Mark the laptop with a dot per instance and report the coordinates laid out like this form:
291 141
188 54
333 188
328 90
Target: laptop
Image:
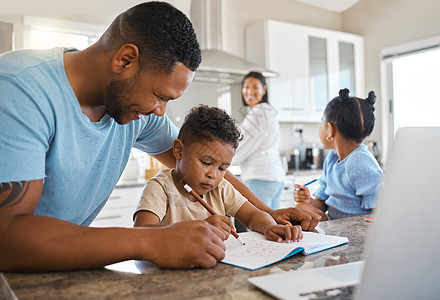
402 254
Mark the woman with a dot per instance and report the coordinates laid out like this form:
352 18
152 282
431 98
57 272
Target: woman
258 152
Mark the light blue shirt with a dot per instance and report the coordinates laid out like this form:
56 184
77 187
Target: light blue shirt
45 135
350 187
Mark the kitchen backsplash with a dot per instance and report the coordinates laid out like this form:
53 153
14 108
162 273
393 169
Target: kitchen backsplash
289 141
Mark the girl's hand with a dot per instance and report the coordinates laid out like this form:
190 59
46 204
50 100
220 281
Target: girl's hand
301 194
289 233
221 222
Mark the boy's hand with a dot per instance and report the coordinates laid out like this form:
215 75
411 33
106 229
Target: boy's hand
221 222
301 194
289 233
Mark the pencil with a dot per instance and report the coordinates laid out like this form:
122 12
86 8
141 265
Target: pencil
209 208
310 182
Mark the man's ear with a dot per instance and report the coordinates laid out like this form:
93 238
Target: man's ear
125 61
177 149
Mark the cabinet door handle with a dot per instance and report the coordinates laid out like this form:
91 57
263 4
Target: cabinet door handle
115 197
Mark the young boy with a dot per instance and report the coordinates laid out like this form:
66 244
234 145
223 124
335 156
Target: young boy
203 150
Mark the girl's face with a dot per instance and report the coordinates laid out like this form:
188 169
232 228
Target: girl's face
253 91
203 165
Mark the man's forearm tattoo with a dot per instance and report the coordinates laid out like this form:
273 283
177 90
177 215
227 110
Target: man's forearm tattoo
12 193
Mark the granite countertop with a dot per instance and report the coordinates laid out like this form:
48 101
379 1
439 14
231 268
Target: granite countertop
143 280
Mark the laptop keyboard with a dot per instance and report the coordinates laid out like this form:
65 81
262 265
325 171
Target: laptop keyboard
339 293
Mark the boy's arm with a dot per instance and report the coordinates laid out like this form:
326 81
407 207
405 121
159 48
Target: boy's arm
37 243
308 220
262 222
145 218
253 218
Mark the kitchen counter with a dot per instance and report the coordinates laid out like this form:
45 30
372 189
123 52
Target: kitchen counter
143 280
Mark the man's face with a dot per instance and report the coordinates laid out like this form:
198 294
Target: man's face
145 93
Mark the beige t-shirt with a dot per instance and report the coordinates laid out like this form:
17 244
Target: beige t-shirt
161 197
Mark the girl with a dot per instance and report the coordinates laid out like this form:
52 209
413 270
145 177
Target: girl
351 175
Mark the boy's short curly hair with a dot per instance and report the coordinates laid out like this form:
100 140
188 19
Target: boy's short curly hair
209 123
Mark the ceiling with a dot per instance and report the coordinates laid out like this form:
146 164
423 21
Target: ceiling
90 11
104 11
332 5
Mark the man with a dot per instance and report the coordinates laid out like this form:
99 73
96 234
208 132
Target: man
68 120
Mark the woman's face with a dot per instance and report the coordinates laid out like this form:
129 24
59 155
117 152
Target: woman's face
253 91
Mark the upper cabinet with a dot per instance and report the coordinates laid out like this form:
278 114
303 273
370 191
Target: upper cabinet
313 65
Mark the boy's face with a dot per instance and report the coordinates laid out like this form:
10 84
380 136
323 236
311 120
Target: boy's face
203 165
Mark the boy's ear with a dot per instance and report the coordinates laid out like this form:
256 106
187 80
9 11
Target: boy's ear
177 149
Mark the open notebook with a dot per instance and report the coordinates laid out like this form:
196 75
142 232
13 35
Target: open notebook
401 257
259 252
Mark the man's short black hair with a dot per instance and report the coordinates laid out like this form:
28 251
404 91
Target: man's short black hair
163 34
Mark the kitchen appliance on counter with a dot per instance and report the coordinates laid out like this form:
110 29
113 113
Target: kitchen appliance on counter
313 158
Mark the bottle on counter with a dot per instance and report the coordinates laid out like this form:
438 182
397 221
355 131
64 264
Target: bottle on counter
297 153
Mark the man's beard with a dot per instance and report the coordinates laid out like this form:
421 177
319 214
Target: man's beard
117 92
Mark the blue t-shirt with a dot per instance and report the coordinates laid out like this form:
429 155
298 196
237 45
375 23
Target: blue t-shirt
45 135
350 187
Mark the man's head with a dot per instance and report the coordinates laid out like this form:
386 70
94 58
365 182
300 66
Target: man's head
163 35
154 54
205 146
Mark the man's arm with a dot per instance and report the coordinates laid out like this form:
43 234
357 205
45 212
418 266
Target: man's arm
36 243
292 215
307 219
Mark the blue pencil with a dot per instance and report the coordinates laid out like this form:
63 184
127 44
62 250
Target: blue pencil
310 182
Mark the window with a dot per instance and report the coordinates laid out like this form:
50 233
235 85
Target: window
410 78
415 87
44 33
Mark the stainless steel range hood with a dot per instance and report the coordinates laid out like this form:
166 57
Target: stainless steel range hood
217 65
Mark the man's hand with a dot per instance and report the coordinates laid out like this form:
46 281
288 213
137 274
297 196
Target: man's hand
188 244
293 216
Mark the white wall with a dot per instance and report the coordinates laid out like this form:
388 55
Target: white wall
385 23
381 22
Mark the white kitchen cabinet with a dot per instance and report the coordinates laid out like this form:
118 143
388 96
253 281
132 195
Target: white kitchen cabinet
313 65
119 209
